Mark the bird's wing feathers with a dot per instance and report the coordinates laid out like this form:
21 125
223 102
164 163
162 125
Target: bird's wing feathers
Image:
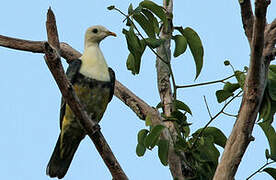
112 83
71 73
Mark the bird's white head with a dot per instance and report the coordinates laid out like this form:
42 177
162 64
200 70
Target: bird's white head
95 34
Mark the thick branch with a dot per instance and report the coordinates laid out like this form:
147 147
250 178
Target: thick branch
270 41
165 92
92 129
247 18
253 92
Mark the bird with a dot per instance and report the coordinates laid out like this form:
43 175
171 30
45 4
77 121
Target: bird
93 82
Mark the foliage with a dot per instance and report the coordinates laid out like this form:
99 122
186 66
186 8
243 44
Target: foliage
200 147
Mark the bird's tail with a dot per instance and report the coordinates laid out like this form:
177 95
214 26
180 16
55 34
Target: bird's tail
59 164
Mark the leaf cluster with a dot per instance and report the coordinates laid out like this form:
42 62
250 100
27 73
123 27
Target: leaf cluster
203 156
151 18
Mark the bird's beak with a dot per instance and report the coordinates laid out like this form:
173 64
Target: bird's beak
109 33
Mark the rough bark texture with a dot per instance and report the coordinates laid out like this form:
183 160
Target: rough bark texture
261 55
165 92
92 129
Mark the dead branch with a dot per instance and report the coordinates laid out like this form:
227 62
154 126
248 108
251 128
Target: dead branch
92 129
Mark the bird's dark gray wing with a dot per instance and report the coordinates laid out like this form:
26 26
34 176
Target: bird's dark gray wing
71 73
112 83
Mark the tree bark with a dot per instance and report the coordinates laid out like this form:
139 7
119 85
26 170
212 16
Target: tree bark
254 87
165 92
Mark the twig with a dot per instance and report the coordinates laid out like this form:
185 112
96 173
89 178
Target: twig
213 118
260 169
232 115
92 129
205 101
206 83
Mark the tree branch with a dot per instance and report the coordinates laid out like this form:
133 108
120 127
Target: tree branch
165 92
70 54
253 92
92 129
247 18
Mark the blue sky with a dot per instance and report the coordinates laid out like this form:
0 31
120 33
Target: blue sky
30 98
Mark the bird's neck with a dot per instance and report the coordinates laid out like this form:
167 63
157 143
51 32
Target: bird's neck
93 63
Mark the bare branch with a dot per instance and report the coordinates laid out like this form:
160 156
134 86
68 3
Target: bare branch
247 18
214 117
92 129
208 109
253 92
270 41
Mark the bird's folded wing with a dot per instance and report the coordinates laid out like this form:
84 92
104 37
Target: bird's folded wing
71 73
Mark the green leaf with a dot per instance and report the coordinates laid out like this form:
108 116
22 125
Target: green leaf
154 43
130 9
271 137
153 136
179 116
136 48
208 152
142 134
218 136
271 172
145 24
195 46
231 87
241 1
152 20
265 108
272 82
182 106
163 150
157 10
140 150
222 95
148 120
267 155
131 64
240 76
133 42
159 105
110 7
180 45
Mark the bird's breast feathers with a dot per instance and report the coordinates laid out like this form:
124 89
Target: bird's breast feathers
94 65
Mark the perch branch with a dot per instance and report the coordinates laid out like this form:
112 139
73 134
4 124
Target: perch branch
92 129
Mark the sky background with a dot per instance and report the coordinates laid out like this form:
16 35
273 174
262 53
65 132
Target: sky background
30 98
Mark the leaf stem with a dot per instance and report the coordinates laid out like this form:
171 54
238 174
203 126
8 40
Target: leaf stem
260 169
206 83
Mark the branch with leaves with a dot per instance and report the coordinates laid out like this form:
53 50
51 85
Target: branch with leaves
254 87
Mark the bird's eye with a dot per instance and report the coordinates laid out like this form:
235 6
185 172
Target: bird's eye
95 30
